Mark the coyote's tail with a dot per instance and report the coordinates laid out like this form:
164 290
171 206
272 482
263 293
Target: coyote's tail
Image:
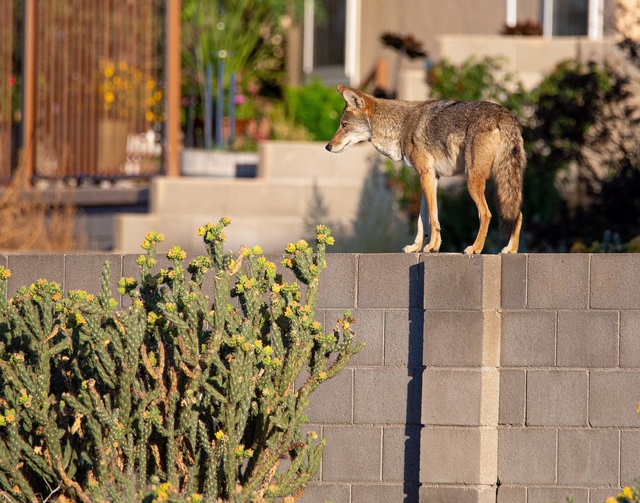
508 172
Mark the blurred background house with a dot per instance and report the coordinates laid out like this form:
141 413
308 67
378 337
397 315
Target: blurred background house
343 43
112 110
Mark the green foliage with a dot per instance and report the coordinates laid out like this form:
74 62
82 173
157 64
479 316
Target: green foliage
477 80
316 108
185 392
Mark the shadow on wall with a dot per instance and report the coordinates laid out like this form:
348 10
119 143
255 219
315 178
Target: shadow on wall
379 225
415 369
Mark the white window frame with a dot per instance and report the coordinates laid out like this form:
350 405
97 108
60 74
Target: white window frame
352 40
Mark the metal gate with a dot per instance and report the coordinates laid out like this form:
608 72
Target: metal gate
98 95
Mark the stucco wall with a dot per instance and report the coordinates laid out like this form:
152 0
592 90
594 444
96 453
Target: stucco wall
520 369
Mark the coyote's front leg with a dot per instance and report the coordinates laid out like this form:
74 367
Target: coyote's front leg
416 246
429 183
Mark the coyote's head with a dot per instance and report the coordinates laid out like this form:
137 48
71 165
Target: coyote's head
354 125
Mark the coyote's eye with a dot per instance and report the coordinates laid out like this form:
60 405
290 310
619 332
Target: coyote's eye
343 124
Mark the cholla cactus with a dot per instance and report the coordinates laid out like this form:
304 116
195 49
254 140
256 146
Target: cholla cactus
201 393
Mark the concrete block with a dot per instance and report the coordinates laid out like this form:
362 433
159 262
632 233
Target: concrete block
449 494
453 338
401 454
587 339
526 456
381 396
27 269
370 492
588 457
629 459
403 337
559 494
629 340
458 455
352 454
369 328
389 280
454 281
337 288
558 281
457 397
611 402
331 402
613 277
513 385
511 494
513 277
528 339
319 492
84 272
557 397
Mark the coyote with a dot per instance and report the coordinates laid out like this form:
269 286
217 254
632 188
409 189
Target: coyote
444 138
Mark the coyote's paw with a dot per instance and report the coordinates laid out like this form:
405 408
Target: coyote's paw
412 248
507 249
470 250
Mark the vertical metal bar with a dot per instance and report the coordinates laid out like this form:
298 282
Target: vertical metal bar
547 18
173 88
232 110
29 88
220 104
208 106
307 51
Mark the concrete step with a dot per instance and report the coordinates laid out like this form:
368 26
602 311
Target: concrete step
310 160
252 197
271 233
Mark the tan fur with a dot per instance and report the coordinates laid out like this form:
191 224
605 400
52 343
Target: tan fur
444 138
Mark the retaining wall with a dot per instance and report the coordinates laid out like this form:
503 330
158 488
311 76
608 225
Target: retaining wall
490 378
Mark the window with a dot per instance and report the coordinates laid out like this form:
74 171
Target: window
570 17
573 18
331 40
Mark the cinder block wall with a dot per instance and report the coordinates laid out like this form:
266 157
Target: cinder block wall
513 379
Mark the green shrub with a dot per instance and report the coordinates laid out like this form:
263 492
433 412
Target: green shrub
315 107
179 397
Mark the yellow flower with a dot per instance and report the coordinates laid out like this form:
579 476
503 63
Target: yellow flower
151 84
109 70
611 499
627 493
109 97
150 116
219 434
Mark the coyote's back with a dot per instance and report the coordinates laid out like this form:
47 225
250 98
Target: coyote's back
444 138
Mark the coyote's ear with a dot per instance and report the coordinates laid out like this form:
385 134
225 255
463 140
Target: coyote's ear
354 99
